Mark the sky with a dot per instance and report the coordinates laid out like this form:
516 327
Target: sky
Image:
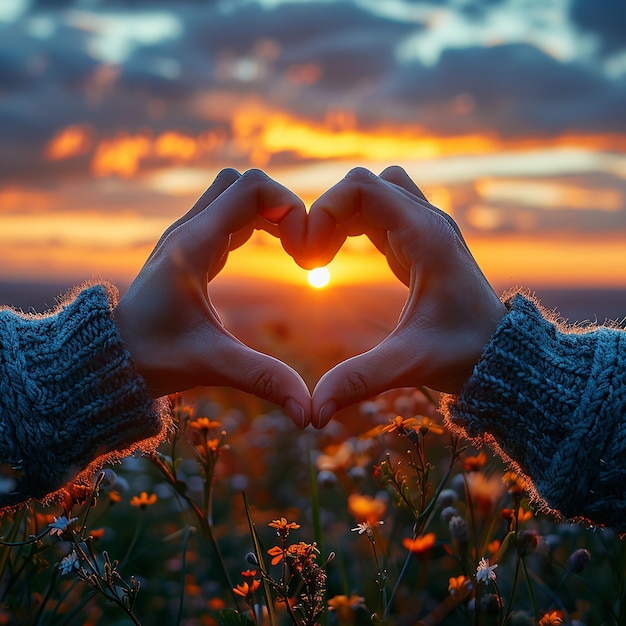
509 114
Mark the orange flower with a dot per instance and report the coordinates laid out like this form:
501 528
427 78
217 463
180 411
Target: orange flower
204 423
143 500
553 618
474 463
345 607
283 527
494 546
421 544
216 604
245 589
114 496
366 508
459 586
276 553
516 484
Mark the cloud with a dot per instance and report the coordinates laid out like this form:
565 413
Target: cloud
512 90
606 19
314 62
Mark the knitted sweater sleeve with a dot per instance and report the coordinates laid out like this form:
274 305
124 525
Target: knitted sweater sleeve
552 400
70 399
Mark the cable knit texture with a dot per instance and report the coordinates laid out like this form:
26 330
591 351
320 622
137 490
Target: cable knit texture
70 399
552 399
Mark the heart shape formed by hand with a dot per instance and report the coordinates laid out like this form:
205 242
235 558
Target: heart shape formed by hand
451 310
178 341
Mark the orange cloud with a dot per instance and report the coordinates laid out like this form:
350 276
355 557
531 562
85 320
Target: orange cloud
68 142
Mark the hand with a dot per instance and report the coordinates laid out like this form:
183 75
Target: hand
451 310
166 317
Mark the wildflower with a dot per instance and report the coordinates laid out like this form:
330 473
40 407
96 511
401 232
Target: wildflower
245 589
345 607
515 483
366 508
494 546
69 563
366 527
114 496
277 553
59 525
204 423
419 545
485 492
527 542
426 425
522 515
144 500
459 586
283 527
459 532
475 463
553 618
577 560
485 572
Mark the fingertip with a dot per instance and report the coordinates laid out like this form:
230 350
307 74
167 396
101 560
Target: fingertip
326 413
299 416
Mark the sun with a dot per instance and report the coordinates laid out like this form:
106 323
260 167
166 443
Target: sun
319 277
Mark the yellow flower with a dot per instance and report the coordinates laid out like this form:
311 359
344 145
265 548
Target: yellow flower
283 527
345 607
553 618
402 426
143 500
421 544
366 509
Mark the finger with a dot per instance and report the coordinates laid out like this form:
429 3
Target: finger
246 369
398 176
388 365
222 181
206 237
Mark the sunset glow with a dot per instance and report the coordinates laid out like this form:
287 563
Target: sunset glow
319 277
102 152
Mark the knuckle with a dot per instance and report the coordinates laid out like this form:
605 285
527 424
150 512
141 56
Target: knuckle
229 174
360 175
356 387
255 176
263 384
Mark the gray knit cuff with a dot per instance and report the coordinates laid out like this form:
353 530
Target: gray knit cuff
553 401
72 398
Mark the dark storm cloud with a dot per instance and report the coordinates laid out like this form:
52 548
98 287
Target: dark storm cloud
516 89
604 18
47 83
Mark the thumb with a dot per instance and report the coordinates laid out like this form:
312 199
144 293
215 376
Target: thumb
386 366
264 376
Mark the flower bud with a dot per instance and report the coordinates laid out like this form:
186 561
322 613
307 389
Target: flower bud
527 542
578 560
459 532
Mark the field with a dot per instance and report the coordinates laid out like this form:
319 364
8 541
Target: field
383 517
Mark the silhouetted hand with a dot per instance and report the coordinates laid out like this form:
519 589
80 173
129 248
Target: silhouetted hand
166 317
451 310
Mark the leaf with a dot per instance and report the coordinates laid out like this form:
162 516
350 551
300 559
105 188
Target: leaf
230 617
259 555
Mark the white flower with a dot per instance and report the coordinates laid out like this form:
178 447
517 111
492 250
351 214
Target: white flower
365 527
57 528
485 572
69 563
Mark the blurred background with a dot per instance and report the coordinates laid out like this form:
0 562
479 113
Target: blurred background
510 114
